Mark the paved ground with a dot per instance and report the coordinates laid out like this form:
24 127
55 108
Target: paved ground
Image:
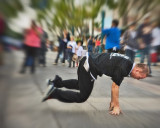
21 107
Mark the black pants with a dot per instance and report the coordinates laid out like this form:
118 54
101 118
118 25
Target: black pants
42 57
84 84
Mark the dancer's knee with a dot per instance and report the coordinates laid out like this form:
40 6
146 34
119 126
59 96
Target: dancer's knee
82 99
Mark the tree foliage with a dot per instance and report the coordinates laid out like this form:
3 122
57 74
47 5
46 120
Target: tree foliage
67 14
10 8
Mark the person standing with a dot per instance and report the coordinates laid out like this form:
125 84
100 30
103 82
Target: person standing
62 47
90 44
32 44
144 36
98 43
43 49
155 45
71 46
113 37
130 41
79 50
84 43
93 44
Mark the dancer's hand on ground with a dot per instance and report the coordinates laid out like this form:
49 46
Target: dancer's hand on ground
116 111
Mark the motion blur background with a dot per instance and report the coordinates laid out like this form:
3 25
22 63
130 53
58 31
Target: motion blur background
20 95
78 17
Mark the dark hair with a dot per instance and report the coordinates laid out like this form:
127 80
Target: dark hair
79 41
144 68
33 22
115 22
133 24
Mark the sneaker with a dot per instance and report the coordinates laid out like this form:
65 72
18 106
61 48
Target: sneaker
48 92
49 82
54 63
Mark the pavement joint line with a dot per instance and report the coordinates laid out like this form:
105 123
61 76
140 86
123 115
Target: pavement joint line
36 83
92 105
58 119
53 112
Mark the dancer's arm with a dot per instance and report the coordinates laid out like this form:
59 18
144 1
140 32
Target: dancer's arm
114 105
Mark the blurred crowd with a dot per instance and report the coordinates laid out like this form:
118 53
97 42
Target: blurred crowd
141 40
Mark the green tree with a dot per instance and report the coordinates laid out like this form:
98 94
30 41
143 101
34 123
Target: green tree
10 8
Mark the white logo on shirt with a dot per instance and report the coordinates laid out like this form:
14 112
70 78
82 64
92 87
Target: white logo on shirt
119 55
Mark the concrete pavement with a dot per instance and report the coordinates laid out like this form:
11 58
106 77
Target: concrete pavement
21 107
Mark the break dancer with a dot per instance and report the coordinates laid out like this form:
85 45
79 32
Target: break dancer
115 65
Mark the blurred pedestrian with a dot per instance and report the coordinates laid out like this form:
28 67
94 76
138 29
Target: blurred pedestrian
155 44
93 44
71 46
62 50
66 40
79 51
90 44
98 44
144 36
32 44
51 45
129 39
115 65
43 49
84 43
113 37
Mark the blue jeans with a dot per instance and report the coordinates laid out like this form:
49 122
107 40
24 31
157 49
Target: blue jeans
97 49
146 52
90 48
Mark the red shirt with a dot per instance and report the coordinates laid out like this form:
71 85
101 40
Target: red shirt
98 43
32 39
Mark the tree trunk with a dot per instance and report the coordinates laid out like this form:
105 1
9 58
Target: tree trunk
125 19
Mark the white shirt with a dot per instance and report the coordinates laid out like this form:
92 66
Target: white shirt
132 68
73 44
156 36
79 51
133 34
128 47
86 66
